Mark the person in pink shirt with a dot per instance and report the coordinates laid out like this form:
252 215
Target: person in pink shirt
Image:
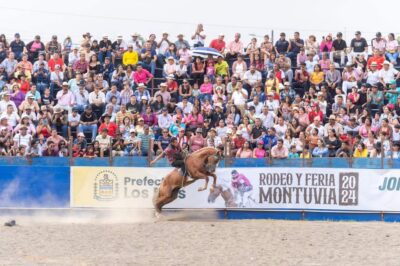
325 62
141 75
206 90
194 120
392 49
234 48
326 44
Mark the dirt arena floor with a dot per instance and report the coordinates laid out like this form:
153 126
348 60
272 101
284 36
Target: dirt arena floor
68 241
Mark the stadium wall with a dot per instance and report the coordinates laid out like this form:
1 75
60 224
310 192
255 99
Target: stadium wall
295 193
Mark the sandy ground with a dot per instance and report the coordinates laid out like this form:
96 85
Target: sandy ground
244 242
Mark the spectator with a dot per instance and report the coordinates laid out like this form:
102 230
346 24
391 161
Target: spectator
219 44
392 49
279 151
104 141
146 142
199 36
234 48
358 46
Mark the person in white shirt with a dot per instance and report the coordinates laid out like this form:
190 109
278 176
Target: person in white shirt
239 97
136 42
199 36
373 74
81 98
73 56
271 103
252 77
267 117
185 105
388 73
12 116
5 102
97 99
164 119
280 128
22 138
258 106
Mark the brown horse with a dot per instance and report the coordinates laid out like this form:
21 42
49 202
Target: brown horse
227 195
199 165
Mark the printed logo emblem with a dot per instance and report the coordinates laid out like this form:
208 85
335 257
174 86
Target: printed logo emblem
106 186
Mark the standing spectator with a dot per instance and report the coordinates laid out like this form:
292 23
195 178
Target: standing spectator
180 43
392 49
339 47
146 142
34 47
358 46
17 46
294 48
148 58
219 43
282 45
199 36
235 48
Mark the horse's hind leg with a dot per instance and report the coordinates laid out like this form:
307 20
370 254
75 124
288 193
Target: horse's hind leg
165 199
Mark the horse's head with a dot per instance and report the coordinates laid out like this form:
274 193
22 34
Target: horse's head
212 162
214 194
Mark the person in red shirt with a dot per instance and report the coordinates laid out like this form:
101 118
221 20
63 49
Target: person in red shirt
218 44
377 58
55 60
110 126
24 85
237 143
316 111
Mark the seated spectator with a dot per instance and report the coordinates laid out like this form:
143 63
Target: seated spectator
245 151
392 49
50 150
110 126
170 67
259 151
321 150
88 122
239 67
279 151
104 141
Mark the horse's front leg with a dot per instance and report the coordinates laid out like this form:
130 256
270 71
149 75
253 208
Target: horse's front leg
214 185
206 179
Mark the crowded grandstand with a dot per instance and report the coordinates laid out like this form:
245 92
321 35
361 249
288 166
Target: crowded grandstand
129 96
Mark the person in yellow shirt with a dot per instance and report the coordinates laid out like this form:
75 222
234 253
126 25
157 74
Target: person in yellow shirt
317 76
272 82
306 153
360 151
130 57
222 68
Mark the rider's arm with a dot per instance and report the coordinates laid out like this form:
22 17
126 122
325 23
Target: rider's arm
157 158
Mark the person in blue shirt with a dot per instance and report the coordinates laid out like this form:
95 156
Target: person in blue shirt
269 139
321 150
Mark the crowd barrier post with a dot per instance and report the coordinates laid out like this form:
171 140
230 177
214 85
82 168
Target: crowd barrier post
269 154
70 143
382 153
149 149
351 152
110 155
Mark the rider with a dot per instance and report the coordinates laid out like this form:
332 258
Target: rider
174 154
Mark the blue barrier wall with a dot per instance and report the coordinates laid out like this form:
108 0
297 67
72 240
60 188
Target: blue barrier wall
25 186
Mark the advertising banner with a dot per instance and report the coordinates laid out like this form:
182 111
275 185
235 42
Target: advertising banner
258 188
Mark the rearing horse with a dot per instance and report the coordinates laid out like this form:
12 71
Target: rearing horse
199 165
